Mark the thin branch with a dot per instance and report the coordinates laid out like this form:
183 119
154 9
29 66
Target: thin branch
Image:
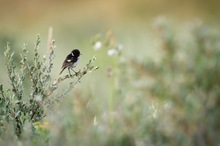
2 92
49 39
10 66
88 68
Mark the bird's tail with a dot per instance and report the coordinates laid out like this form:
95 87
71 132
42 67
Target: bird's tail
62 70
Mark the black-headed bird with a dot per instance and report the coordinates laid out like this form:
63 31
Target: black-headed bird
71 61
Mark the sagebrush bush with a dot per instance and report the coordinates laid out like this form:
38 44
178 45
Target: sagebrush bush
15 107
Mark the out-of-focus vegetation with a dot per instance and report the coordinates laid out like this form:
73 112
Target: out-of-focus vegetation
158 82
173 100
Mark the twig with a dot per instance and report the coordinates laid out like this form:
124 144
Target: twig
88 68
49 39
2 92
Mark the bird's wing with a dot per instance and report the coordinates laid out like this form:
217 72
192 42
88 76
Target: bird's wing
67 63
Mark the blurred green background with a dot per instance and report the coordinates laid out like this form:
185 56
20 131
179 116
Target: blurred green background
162 88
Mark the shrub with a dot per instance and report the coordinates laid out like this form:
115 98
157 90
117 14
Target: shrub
18 105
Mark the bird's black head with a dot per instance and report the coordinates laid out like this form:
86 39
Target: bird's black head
76 53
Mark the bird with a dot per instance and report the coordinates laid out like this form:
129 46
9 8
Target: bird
71 61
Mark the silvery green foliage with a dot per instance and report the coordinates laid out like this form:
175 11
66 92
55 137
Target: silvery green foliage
17 109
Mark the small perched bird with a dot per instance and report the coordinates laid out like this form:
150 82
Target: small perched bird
71 61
